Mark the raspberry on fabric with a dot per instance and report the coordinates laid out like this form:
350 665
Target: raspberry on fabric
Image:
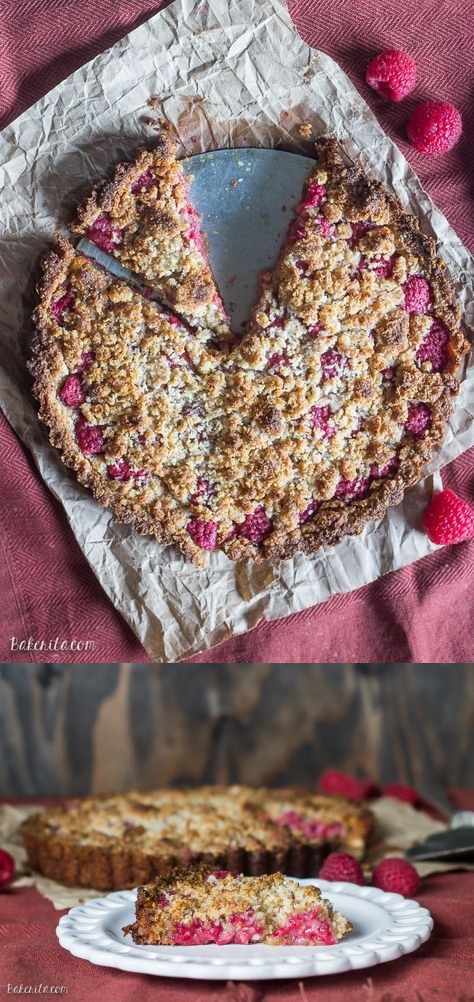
435 346
7 867
392 74
90 438
339 783
204 534
417 294
342 866
448 519
434 127
400 792
397 875
256 527
72 391
419 419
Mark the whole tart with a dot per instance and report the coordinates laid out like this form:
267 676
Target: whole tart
296 436
199 906
124 840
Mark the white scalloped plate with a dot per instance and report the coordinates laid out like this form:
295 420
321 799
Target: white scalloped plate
386 926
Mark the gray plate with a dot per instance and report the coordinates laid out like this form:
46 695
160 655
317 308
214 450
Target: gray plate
245 197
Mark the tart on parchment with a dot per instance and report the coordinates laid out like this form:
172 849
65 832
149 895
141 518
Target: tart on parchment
199 906
119 841
312 425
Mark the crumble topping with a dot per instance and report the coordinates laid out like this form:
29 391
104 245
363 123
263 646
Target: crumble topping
201 906
294 437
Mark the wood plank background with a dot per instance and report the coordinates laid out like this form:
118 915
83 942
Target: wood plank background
71 730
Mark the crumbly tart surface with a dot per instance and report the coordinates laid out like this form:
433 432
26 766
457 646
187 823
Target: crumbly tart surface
200 906
124 840
143 217
312 425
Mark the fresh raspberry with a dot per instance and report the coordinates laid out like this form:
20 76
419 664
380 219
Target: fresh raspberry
256 527
143 182
419 419
89 437
397 875
72 391
351 488
417 294
400 792
435 346
333 364
342 866
338 783
204 534
392 74
7 867
448 519
309 512
104 234
434 127
319 418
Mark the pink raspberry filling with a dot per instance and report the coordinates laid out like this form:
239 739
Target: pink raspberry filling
315 329
319 418
313 828
119 470
435 347
297 231
388 376
204 534
327 228
384 268
380 472
359 230
104 234
89 437
204 490
314 195
277 359
194 231
256 527
220 874
72 391
419 419
333 364
242 928
144 182
351 489
65 302
306 926
86 359
309 512
417 294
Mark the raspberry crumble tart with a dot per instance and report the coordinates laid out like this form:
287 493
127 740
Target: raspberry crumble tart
199 906
311 425
120 841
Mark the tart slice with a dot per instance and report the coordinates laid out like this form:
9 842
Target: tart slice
198 906
144 218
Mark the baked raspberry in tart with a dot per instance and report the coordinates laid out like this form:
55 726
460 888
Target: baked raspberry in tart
294 437
199 906
119 841
144 218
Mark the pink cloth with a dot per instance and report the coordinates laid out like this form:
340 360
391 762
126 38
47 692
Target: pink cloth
442 969
421 613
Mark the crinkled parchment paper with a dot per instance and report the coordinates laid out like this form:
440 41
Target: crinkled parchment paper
398 826
226 74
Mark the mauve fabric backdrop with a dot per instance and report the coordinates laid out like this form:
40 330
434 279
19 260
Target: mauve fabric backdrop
422 613
442 969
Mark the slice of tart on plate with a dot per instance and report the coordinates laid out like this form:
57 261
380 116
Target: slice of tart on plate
144 218
198 906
